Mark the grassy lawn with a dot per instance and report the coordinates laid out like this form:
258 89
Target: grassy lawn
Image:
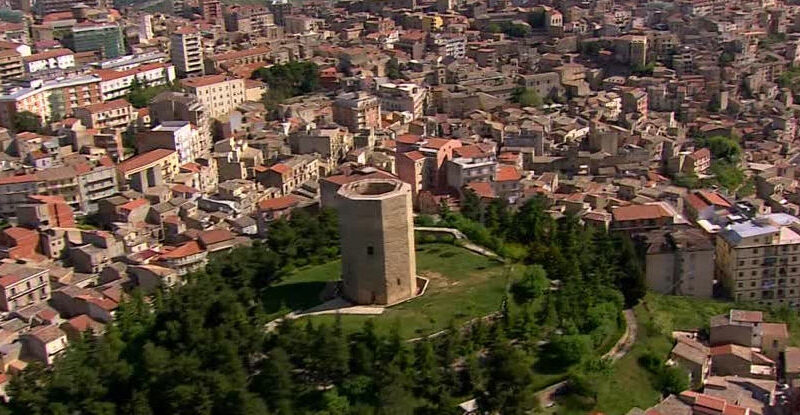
462 286
301 290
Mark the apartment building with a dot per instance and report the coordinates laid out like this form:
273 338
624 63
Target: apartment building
357 111
211 11
241 57
50 59
48 99
289 174
45 212
11 64
186 52
117 114
408 98
680 262
146 170
252 19
21 286
180 136
117 83
219 94
105 39
180 106
331 143
470 164
759 260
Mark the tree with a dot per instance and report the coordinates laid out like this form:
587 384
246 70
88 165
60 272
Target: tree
471 205
722 148
393 69
569 349
27 121
527 97
532 285
509 388
11 16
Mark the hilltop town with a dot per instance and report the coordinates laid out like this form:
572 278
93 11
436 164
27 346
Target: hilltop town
144 143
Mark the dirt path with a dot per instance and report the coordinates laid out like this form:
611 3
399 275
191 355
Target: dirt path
621 348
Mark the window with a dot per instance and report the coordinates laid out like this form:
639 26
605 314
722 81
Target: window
370 250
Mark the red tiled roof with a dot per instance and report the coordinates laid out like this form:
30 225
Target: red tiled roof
141 160
414 155
437 143
22 178
110 74
241 53
713 198
747 316
83 322
49 54
507 174
278 203
774 330
702 153
192 167
408 139
134 204
201 81
17 233
104 303
9 279
215 236
710 402
280 168
471 151
182 188
482 189
187 249
107 106
639 212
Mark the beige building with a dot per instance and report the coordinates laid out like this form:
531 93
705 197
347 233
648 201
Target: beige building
403 97
21 286
186 52
680 262
149 169
219 94
117 114
759 260
357 111
378 257
331 143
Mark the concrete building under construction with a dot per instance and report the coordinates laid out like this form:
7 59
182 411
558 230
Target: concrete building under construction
377 236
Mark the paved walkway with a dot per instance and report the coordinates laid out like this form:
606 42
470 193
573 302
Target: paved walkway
621 348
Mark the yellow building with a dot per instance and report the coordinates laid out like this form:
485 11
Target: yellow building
432 23
759 260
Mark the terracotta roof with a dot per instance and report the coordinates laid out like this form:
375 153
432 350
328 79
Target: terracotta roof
185 30
471 151
278 203
639 212
215 236
18 233
702 153
482 189
280 168
22 178
134 204
182 188
241 53
47 334
83 322
408 139
437 143
107 106
201 81
775 330
710 402
414 155
507 174
192 167
9 279
713 198
104 303
49 54
747 316
141 160
187 249
110 74
734 349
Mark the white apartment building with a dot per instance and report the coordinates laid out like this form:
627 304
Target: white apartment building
181 136
116 84
408 98
186 52
51 59
759 260
220 94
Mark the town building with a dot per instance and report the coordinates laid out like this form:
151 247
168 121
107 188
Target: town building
186 52
219 94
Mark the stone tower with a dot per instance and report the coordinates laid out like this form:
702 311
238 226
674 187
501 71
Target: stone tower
377 236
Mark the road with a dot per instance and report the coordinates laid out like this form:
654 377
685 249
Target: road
621 348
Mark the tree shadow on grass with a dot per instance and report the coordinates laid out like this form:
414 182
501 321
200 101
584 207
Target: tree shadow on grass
297 296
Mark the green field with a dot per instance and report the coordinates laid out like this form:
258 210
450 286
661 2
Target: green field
462 286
